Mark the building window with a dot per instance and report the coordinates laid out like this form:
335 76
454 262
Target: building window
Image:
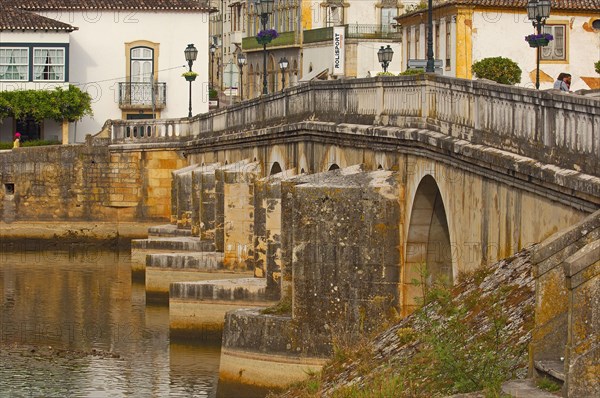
49 64
142 64
387 18
437 41
334 15
408 42
556 50
448 44
417 42
14 63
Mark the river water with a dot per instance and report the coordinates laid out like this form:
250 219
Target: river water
72 324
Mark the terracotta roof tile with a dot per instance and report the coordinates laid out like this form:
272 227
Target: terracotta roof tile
588 5
564 5
176 5
14 19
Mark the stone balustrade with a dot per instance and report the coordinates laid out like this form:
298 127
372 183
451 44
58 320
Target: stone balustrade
554 128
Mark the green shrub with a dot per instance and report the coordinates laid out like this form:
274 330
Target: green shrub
499 69
384 74
40 143
30 143
597 67
213 94
412 71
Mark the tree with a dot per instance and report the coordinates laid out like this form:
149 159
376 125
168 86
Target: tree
60 105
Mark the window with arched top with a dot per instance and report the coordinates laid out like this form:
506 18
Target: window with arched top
142 64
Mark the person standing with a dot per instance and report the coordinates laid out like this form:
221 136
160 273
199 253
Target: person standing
17 141
563 82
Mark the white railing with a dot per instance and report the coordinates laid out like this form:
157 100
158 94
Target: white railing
562 129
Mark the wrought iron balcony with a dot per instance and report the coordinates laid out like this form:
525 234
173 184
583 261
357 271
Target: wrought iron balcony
353 31
135 95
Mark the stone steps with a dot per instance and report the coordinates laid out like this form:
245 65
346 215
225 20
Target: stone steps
243 289
205 261
168 230
197 309
525 389
555 369
175 244
140 248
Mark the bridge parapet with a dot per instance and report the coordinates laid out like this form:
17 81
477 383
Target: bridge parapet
554 128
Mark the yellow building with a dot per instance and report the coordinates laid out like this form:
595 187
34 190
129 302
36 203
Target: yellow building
466 31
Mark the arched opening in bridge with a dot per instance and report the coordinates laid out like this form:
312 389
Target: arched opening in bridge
275 168
333 167
428 259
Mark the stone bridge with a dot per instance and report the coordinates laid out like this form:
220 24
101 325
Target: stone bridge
350 191
479 170
342 193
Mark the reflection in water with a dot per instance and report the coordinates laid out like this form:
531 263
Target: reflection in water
83 301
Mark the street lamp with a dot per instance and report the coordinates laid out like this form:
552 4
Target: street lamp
537 12
190 56
241 61
385 56
283 65
264 8
430 67
213 49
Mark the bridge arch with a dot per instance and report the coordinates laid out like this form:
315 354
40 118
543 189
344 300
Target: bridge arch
428 250
333 156
275 169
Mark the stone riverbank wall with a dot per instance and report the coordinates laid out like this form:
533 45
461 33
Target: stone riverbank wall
93 181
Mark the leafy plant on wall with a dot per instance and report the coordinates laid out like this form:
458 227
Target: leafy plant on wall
499 69
60 105
597 67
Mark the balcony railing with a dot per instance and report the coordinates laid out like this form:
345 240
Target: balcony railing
285 39
354 31
142 95
360 31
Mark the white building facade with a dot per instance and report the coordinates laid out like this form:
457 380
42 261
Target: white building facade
130 57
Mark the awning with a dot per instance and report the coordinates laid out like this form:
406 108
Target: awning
315 74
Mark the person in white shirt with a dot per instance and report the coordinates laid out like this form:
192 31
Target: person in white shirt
563 82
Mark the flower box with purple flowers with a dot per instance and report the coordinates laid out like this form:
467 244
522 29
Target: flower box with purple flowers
540 40
264 37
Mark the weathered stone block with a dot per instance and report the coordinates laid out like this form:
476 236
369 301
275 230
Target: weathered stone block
345 251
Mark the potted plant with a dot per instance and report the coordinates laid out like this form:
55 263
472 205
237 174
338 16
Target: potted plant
597 67
264 37
190 76
540 40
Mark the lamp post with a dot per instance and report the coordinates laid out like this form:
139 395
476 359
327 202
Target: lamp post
537 12
283 65
241 61
190 56
264 8
430 67
213 49
385 56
